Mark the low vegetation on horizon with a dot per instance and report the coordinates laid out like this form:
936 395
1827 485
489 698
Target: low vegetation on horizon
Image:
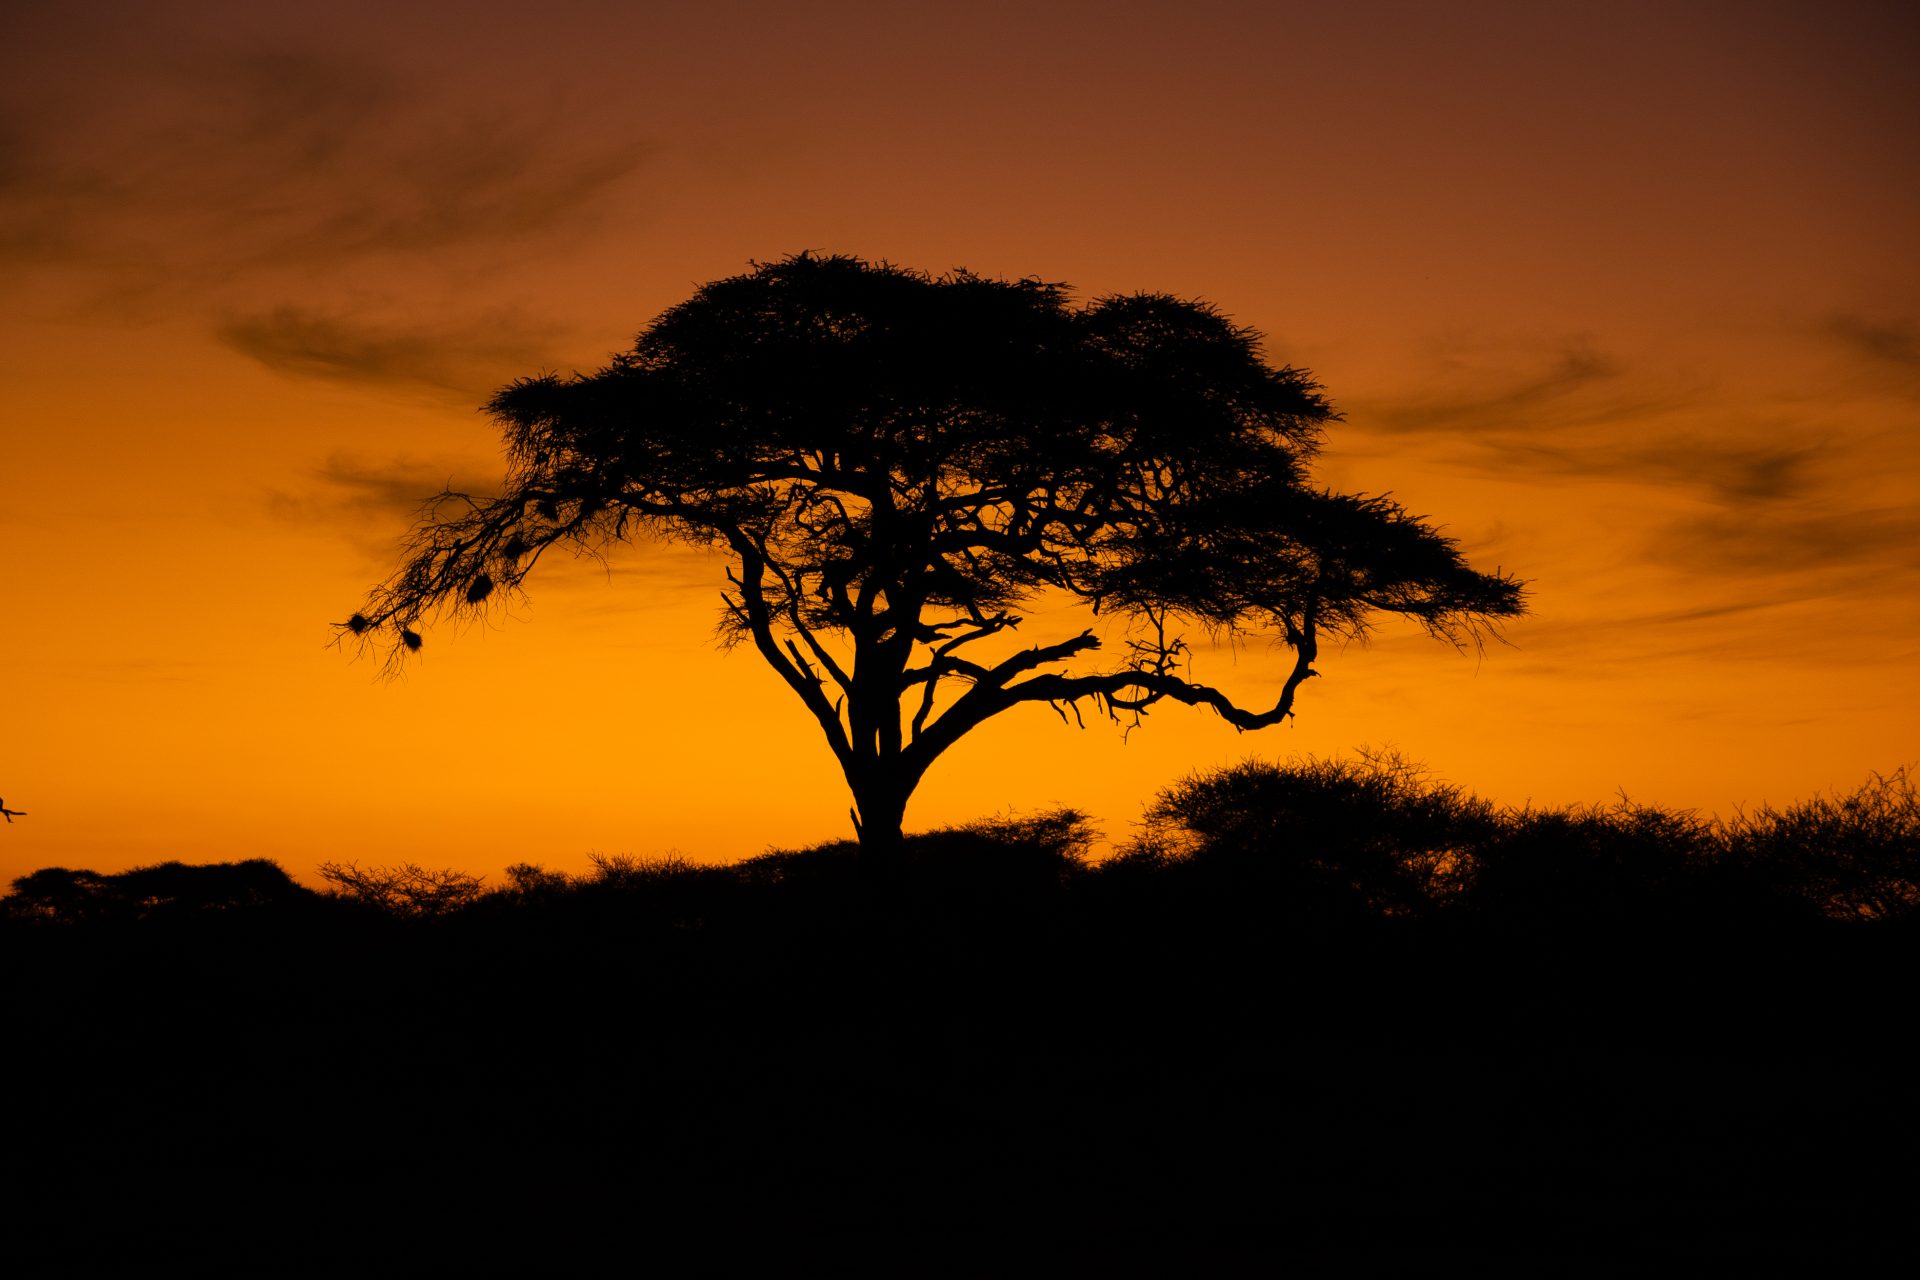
1322 843
1311 1009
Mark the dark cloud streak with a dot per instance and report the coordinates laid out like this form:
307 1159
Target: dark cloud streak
1584 416
1735 472
389 490
371 502
464 361
1893 342
239 165
1882 352
1793 498
1882 543
1576 368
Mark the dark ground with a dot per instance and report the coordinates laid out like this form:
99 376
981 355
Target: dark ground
1000 1068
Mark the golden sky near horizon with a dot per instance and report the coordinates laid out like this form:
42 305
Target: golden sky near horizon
1624 297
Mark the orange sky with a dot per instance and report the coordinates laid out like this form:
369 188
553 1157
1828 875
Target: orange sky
1626 297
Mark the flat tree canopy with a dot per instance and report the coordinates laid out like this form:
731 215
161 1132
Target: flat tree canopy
896 463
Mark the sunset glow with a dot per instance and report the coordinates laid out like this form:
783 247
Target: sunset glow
1623 298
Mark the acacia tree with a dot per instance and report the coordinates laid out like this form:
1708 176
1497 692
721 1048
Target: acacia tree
896 463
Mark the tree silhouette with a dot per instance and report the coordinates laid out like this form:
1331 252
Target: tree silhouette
897 462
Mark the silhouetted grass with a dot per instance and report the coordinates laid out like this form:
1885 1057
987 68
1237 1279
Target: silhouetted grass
1333 1010
1319 845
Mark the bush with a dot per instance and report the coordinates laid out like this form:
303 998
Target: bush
625 871
1375 835
530 880
407 891
1551 869
166 888
60 894
1853 857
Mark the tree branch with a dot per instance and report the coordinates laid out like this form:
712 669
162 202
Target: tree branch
753 603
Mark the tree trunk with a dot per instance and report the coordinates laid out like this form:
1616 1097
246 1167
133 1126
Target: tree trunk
880 801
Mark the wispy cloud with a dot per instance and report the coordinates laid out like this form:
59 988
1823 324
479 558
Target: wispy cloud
1477 403
397 485
1578 412
463 360
1776 511
1883 351
372 501
354 492
227 166
1733 470
1843 546
1895 342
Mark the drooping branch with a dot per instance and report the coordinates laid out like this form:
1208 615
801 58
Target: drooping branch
1157 682
1130 689
792 593
754 612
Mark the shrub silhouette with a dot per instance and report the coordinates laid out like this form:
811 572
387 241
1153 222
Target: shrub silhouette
1332 839
60 894
530 880
407 890
178 886
1313 845
626 871
166 888
1853 856
1040 848
1553 870
992 873
1329 843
